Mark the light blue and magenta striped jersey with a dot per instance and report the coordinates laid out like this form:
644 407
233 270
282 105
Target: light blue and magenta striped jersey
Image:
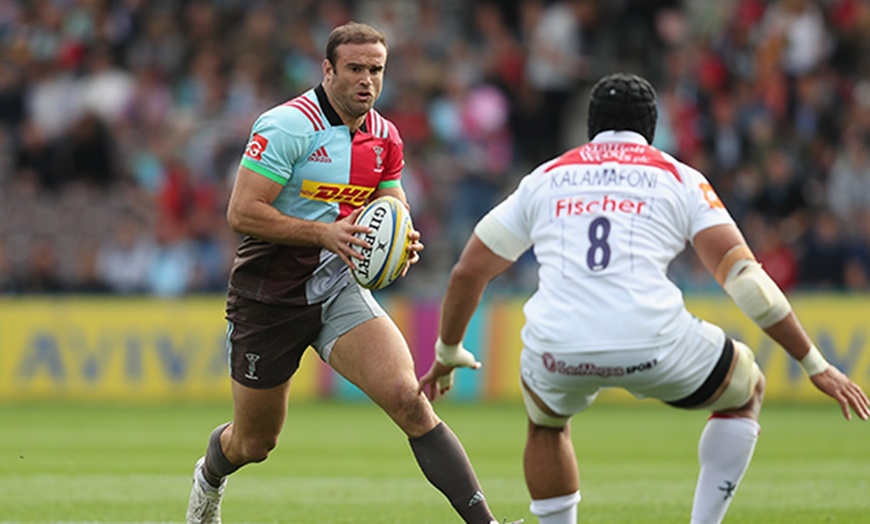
326 172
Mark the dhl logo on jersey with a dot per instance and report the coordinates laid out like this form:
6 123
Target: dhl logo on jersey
341 193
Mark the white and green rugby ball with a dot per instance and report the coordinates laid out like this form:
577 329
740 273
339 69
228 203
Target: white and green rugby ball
390 224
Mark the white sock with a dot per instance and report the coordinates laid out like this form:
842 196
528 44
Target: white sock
556 510
725 450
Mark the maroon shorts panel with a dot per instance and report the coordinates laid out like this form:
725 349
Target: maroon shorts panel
266 341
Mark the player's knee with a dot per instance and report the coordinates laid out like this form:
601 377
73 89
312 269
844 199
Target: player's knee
758 392
411 411
257 449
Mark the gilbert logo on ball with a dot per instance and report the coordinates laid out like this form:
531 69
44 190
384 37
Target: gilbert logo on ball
390 224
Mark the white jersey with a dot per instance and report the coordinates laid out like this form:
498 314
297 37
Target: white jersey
605 219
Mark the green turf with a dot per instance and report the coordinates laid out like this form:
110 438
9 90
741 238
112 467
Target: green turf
346 463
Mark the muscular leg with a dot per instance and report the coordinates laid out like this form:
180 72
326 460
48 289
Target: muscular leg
258 417
551 474
725 450
375 357
549 462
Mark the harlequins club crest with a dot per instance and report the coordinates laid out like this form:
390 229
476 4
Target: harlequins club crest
252 366
379 161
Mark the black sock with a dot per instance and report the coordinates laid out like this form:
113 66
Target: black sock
446 466
217 466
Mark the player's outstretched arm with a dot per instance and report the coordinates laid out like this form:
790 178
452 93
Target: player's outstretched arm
725 254
826 378
476 267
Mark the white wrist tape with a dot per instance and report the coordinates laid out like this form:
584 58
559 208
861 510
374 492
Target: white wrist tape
814 363
755 293
454 355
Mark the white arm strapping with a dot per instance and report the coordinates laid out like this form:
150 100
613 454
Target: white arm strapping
499 239
755 293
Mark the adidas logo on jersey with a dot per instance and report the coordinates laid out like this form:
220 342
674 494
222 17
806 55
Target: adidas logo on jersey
320 156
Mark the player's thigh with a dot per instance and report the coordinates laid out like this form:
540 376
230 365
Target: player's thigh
265 342
553 381
712 371
375 358
259 413
676 370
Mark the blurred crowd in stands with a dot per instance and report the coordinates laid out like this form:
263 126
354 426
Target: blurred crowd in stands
122 123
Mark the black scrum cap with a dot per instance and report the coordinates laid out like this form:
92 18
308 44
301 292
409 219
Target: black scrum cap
620 102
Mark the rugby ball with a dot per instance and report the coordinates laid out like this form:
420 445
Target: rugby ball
390 224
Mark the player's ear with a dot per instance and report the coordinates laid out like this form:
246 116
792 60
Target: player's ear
327 68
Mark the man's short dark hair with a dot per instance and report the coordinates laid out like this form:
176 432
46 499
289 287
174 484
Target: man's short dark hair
623 102
352 33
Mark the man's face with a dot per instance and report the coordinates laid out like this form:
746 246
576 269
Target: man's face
355 83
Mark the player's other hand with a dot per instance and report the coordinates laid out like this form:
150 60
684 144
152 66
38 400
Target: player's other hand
437 381
414 249
835 384
340 236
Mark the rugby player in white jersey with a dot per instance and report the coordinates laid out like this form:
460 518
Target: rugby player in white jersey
604 220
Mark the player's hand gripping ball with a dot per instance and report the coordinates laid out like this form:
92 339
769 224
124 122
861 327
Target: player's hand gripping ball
390 224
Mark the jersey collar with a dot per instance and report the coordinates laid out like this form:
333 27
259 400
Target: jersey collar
329 111
622 137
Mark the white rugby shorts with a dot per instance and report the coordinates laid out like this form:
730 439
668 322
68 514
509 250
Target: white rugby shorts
568 383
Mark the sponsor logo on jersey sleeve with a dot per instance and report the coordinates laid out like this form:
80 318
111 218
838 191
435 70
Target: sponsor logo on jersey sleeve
711 197
341 193
256 147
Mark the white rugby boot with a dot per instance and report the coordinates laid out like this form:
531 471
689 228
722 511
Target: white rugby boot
204 506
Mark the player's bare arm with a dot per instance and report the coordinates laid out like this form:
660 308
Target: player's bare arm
476 267
250 212
724 252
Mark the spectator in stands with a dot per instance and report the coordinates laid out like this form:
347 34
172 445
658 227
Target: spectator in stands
557 64
8 282
782 196
41 270
849 177
823 262
744 80
86 278
857 272
123 259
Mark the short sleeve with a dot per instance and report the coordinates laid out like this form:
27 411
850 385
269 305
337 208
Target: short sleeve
394 160
272 150
705 207
515 226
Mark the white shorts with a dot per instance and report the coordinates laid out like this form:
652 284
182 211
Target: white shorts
569 382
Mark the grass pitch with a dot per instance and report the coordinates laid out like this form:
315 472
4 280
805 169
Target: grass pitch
347 463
